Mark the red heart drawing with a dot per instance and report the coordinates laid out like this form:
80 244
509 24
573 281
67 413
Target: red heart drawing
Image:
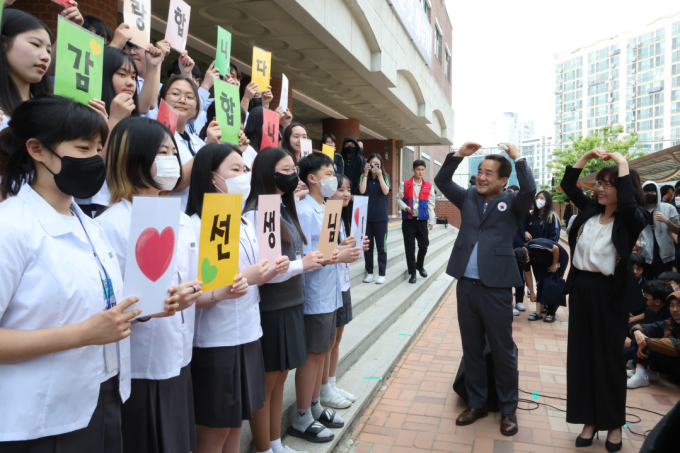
356 216
154 252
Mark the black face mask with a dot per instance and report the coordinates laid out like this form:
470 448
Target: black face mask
80 177
351 149
286 183
651 198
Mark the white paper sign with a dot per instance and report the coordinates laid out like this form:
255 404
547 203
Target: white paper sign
306 146
150 255
358 221
284 92
177 28
269 227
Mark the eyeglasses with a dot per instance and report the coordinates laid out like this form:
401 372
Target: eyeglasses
603 184
674 307
188 98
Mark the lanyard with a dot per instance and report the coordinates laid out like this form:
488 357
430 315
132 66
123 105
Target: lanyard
251 248
106 282
187 140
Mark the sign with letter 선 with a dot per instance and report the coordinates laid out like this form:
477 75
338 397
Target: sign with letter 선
177 28
219 242
330 228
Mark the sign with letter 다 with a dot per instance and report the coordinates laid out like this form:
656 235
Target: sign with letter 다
223 51
269 227
262 70
137 14
270 129
330 228
219 247
151 252
79 65
177 28
358 221
228 110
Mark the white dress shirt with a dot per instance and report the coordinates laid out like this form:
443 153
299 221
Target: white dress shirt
185 155
232 322
595 251
160 347
50 277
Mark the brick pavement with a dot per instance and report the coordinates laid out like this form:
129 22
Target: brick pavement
416 409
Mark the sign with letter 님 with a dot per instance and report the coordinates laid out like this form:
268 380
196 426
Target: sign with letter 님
269 227
219 242
330 228
177 27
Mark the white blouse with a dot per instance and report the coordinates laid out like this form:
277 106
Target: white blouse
595 251
232 322
185 155
161 347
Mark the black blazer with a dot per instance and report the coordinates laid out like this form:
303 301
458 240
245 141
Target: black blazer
629 222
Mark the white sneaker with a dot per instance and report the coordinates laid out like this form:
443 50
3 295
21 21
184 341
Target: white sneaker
520 306
653 375
337 402
630 373
369 278
638 380
630 365
348 396
515 312
380 280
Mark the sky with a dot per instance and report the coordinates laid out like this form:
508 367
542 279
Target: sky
503 53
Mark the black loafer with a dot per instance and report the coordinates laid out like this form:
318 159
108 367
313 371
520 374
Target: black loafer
423 273
413 278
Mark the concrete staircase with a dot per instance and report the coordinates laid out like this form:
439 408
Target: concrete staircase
386 318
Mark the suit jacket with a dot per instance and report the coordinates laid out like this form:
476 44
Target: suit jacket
629 223
492 230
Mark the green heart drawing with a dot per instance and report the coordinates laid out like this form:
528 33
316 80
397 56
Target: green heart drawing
208 272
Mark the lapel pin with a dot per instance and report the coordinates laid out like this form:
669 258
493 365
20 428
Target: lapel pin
502 206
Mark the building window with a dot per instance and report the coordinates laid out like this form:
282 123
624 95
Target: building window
427 8
437 43
447 65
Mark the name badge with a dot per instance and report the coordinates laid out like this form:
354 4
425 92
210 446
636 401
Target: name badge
298 256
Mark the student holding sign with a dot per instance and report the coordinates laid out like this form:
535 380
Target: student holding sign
24 60
228 371
142 160
282 299
148 62
62 320
292 139
182 95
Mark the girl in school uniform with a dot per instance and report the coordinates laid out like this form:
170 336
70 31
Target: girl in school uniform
281 299
182 95
227 368
159 417
62 320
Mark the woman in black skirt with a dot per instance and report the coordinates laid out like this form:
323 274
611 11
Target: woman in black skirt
283 329
602 291
227 367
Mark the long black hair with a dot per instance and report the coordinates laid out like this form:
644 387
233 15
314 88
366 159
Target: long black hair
253 129
207 161
548 212
263 182
114 59
382 167
346 214
15 22
99 28
51 120
286 138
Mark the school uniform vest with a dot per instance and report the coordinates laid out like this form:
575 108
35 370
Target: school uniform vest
422 199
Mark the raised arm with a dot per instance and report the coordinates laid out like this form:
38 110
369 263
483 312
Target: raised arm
444 179
527 186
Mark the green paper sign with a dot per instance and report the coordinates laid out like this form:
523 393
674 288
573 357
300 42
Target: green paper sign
228 111
80 60
223 53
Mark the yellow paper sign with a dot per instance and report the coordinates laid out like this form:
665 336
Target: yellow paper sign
262 68
329 228
328 150
219 246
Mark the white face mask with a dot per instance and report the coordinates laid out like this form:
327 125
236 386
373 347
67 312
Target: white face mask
328 186
167 172
237 185
540 203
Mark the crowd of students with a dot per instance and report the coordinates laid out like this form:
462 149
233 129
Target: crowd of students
79 369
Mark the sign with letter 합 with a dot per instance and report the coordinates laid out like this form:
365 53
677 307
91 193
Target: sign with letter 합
177 27
228 110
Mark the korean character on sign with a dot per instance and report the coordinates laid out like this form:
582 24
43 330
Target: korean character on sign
82 79
180 20
140 12
270 226
411 12
271 131
221 229
262 67
227 105
332 222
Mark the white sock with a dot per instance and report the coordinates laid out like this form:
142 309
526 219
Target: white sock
642 372
303 419
316 408
331 381
276 445
327 392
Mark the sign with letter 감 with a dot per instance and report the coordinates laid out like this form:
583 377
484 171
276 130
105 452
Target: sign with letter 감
270 129
262 68
228 110
150 262
177 28
137 14
269 227
223 51
80 62
219 242
330 228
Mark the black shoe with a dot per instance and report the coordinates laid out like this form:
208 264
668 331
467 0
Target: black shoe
544 309
581 442
534 317
611 447
422 272
413 278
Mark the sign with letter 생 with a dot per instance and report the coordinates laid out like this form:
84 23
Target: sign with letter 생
219 246
269 227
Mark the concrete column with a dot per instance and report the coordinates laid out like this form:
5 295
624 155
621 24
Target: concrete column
47 11
341 129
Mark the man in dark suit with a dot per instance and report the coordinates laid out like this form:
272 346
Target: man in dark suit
484 264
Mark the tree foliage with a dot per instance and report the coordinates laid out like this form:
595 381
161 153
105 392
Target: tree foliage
610 138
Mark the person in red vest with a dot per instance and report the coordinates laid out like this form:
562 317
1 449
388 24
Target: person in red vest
416 201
